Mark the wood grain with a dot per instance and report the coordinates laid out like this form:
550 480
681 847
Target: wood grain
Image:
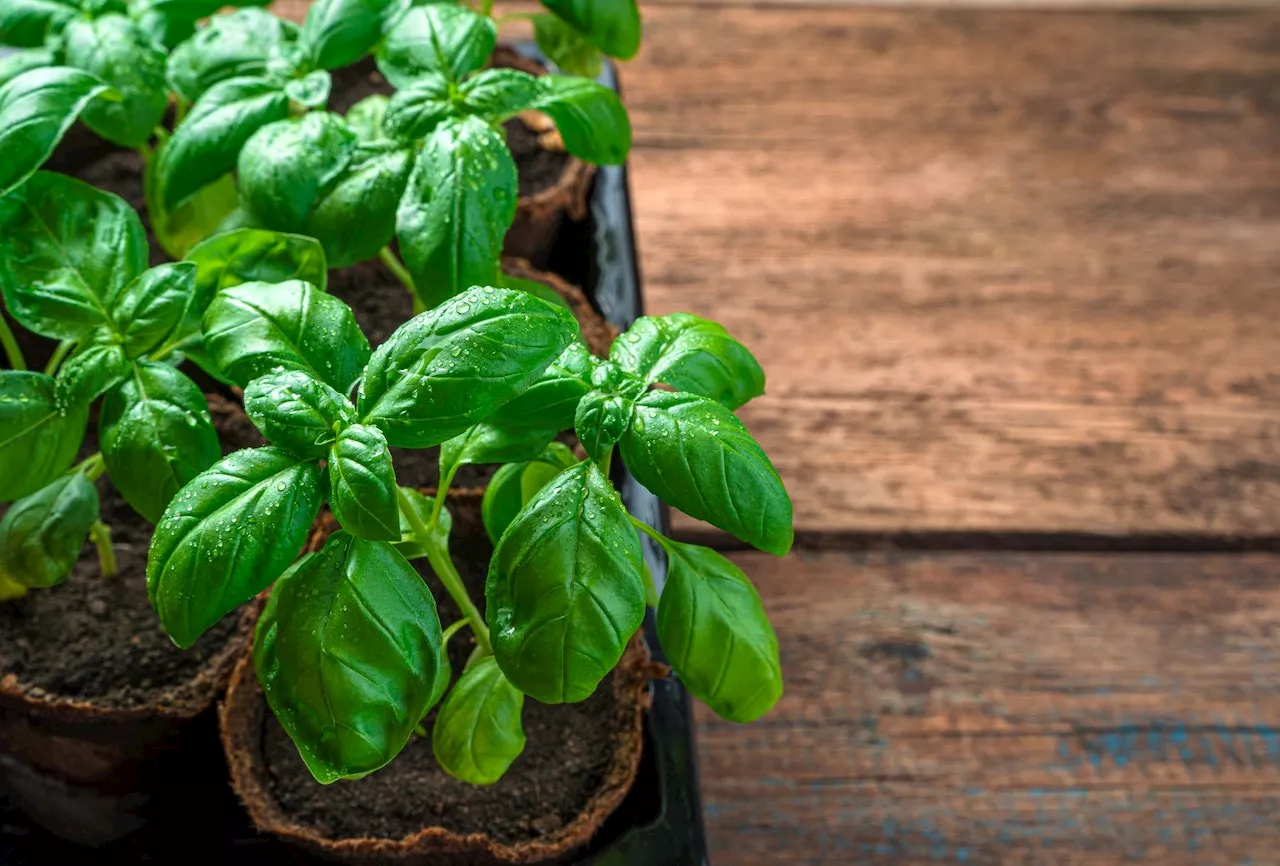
1007 708
1008 272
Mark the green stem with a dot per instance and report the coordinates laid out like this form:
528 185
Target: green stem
486 7
101 535
606 462
144 150
402 274
16 361
92 466
443 566
420 731
59 355
499 20
649 531
650 588
454 629
442 491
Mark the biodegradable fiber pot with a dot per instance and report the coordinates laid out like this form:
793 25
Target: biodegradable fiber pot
439 820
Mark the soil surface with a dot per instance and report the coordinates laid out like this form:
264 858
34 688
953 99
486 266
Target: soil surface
566 758
97 639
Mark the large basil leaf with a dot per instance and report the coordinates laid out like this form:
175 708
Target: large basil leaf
439 37
589 116
350 655
39 436
490 443
460 202
207 143
153 305
568 49
339 32
448 368
169 22
613 26
691 354
243 43
66 250
253 328
357 216
286 166
28 23
90 372
198 217
552 400
515 484
116 51
227 535
496 94
257 255
297 412
695 455
15 62
600 422
714 631
156 435
411 544
36 109
477 732
362 484
419 107
565 590
41 535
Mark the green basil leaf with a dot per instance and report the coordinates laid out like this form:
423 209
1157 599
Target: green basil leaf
477 732
286 166
311 90
690 354
413 546
36 110
156 435
551 402
568 49
515 484
257 255
693 454
251 329
91 372
613 26
442 38
367 118
297 412
450 367
490 443
419 107
460 202
589 116
362 484
115 50
66 250
339 32
28 23
23 60
600 421
153 305
39 436
197 218
496 94
206 145
350 655
565 590
243 43
227 535
169 22
357 216
714 631
41 535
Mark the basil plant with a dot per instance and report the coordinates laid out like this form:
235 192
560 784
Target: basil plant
428 166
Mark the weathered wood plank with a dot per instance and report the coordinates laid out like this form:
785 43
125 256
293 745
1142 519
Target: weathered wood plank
1002 708
1007 271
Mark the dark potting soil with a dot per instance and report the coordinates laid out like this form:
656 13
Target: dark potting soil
567 755
97 639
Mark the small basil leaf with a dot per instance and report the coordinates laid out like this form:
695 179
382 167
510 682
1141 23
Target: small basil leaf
490 443
362 484
350 655
514 485
256 255
496 94
713 629
613 26
477 732
312 90
17 62
66 250
357 216
297 412
411 545
251 329
41 535
367 118
36 110
568 49
690 354
156 435
240 44
286 166
115 50
600 422
153 305
207 143
39 436
227 535
450 367
340 32
589 116
456 211
565 590
191 222
696 456
419 107
90 373
27 23
442 38
551 402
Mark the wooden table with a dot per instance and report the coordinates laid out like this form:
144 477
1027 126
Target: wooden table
1015 278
